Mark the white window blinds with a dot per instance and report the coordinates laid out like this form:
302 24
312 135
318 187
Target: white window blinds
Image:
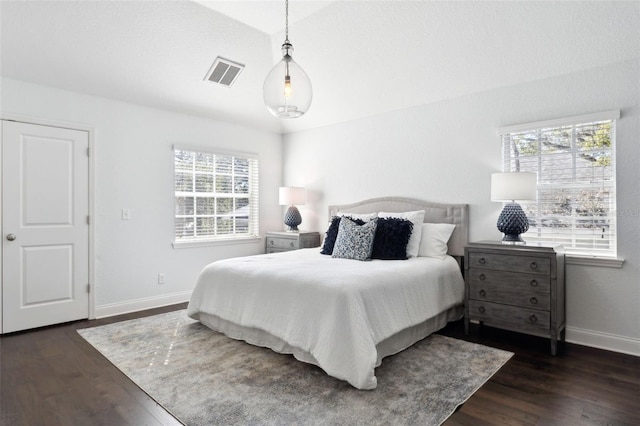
575 163
216 195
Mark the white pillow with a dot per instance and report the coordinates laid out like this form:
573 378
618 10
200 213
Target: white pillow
434 239
362 216
417 217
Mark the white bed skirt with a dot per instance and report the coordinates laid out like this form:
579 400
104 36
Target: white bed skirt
392 345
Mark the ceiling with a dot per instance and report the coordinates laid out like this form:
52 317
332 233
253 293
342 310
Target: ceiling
266 16
363 57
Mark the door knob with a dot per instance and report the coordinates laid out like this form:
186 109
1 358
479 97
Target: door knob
11 237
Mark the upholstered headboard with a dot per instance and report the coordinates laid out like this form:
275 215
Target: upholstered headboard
434 213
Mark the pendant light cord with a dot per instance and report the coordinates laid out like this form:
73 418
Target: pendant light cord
286 26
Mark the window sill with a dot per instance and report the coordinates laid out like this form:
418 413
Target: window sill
604 262
210 243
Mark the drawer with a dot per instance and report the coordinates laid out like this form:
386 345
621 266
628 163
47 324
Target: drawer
510 317
486 291
282 243
515 280
506 262
275 250
309 240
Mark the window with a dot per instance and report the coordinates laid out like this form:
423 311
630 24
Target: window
575 162
216 196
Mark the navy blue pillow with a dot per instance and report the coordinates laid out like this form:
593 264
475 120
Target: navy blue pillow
332 233
391 239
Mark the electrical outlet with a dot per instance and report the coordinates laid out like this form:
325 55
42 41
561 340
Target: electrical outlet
126 214
161 278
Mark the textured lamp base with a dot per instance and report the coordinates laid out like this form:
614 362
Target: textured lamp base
292 219
513 239
512 222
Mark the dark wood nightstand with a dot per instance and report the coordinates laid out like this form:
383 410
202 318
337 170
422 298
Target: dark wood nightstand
286 241
516 287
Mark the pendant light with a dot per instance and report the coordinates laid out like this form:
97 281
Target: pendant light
287 88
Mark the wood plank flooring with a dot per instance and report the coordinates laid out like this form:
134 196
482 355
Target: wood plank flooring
51 376
580 386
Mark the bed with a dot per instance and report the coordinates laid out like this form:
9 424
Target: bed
342 315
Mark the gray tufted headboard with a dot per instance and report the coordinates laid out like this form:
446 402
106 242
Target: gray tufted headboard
434 213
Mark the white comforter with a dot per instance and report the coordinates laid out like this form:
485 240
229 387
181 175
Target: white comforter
337 310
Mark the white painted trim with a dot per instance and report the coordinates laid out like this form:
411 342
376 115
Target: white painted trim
600 340
585 118
142 304
45 122
604 262
219 242
1 221
597 339
214 150
92 225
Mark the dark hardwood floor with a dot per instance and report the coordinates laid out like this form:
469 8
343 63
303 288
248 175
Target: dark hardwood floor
51 376
580 386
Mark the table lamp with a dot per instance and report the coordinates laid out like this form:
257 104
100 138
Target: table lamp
291 196
509 187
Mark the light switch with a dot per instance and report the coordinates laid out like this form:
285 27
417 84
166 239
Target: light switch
126 213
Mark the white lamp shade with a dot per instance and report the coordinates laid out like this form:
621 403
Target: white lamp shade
291 195
513 186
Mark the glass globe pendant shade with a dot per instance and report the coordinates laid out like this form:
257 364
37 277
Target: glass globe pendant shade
287 89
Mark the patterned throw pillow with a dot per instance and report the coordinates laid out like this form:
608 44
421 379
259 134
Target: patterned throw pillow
332 233
354 241
391 239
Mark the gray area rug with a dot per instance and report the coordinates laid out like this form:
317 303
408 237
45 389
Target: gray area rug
205 378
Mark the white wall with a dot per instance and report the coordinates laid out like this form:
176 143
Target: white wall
446 151
134 169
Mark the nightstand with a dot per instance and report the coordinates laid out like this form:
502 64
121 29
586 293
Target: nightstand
516 287
286 241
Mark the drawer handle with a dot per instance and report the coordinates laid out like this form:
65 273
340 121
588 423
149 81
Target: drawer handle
482 261
534 283
533 265
483 293
482 277
271 242
481 309
291 244
533 301
533 318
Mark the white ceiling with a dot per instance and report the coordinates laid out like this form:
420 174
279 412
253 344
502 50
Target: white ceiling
266 16
363 57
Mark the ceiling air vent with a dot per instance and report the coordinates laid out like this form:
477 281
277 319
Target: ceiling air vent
224 72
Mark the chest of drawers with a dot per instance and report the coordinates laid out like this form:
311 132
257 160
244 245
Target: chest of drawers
518 288
286 241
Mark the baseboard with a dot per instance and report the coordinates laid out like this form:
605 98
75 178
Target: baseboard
141 304
610 342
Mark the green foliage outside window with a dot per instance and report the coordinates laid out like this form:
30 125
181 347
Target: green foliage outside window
575 166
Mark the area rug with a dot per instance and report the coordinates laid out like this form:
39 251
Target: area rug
205 378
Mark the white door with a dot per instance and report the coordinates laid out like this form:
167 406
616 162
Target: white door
45 241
